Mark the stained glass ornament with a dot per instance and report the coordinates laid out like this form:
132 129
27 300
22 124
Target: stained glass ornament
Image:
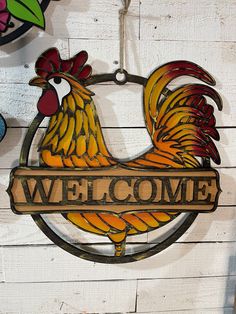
79 178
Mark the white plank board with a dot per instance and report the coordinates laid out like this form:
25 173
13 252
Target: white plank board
199 311
104 54
20 57
142 57
180 260
218 226
214 227
186 294
117 106
122 143
218 58
17 60
111 101
18 230
187 20
2 277
74 297
91 19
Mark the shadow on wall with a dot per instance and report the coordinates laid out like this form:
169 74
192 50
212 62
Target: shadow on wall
230 289
62 4
230 286
113 105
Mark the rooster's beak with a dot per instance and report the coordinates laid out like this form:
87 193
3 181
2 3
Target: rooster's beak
39 82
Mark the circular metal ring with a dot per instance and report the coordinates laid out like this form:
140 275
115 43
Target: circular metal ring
123 81
22 29
54 237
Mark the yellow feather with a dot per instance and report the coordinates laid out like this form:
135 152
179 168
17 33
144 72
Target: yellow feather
101 144
90 115
92 147
79 162
78 220
178 132
50 134
103 160
71 103
83 90
85 124
64 125
54 142
78 121
79 101
51 160
65 105
80 93
68 162
52 122
65 142
72 148
81 145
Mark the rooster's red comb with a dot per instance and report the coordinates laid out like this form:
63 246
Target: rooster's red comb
50 62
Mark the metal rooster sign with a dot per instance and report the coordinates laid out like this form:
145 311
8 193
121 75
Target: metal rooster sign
78 177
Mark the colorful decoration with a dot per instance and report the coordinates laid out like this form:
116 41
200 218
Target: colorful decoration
28 12
80 178
3 128
4 16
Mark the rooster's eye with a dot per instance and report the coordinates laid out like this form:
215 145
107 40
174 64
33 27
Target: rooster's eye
61 86
57 80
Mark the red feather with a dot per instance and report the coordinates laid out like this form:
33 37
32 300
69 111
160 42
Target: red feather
50 63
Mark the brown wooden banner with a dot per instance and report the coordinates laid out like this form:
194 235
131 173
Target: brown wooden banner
39 190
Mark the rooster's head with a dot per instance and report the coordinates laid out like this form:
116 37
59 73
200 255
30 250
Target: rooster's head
59 78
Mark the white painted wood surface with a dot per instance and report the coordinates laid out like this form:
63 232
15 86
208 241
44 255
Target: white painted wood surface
197 274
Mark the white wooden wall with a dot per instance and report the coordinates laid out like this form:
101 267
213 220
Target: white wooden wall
195 275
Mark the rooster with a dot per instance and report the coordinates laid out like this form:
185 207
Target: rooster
181 126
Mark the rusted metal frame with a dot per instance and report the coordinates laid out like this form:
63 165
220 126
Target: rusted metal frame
113 259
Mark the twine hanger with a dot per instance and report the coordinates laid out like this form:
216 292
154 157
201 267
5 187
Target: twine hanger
123 12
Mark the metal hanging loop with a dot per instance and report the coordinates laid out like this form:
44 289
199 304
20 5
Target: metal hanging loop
123 12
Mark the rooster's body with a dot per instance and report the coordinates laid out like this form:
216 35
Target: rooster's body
181 127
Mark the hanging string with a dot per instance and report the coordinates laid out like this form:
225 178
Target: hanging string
123 12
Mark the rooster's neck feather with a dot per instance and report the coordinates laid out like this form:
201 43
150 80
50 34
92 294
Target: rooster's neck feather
74 133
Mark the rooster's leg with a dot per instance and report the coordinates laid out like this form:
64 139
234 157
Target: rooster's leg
119 240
